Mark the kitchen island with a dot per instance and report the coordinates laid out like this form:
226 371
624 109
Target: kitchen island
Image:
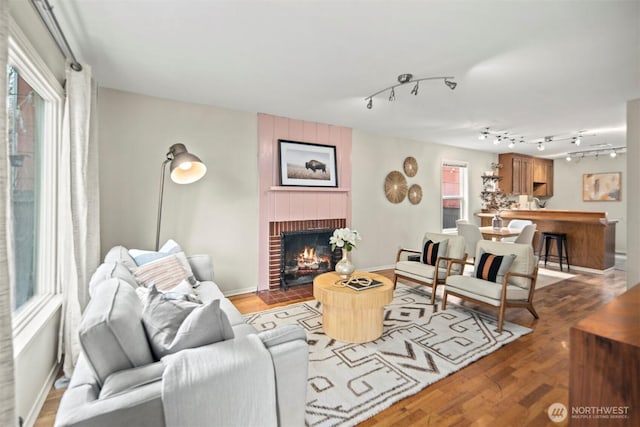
591 236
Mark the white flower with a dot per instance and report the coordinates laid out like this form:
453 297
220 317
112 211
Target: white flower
344 238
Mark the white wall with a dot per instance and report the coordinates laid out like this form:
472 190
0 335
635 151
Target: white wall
567 192
385 226
217 215
633 205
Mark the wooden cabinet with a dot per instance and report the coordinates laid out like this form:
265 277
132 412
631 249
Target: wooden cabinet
542 177
517 173
526 175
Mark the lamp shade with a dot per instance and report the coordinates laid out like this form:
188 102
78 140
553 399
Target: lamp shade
185 167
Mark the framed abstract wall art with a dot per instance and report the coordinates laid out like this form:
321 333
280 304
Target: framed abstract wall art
307 165
602 187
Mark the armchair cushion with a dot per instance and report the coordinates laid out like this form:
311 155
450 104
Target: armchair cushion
483 290
493 267
524 262
419 270
175 324
431 251
111 332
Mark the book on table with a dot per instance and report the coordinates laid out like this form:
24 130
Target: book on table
359 285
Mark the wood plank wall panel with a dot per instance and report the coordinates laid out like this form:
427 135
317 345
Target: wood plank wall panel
298 205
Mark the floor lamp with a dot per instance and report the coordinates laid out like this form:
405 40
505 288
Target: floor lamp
185 168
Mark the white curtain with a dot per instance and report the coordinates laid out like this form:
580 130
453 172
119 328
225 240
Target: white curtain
79 206
7 385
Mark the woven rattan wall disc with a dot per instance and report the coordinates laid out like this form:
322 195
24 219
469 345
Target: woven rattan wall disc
410 166
415 194
395 187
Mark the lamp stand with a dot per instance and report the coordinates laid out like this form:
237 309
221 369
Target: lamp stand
162 169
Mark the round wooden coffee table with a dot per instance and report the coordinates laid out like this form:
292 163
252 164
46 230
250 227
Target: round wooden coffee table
349 315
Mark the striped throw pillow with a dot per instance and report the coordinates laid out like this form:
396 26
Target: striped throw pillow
492 267
432 250
166 273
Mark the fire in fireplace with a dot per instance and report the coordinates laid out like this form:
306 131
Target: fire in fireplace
304 255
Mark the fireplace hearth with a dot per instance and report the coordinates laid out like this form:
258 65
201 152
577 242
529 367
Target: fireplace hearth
305 254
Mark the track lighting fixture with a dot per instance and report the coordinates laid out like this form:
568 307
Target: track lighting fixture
540 142
613 153
408 78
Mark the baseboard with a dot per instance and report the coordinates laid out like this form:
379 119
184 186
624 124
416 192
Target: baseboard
32 416
239 291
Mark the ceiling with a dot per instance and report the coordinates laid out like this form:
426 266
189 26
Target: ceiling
529 68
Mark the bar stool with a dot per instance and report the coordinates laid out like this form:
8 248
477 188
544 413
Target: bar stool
561 241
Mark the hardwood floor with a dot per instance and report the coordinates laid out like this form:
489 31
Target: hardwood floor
513 386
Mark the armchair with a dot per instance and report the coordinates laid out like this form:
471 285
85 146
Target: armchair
434 264
505 276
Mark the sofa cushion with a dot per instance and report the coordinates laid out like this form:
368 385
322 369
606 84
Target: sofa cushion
109 270
175 324
431 251
111 332
493 267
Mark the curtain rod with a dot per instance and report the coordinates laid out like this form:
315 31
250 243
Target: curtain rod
45 10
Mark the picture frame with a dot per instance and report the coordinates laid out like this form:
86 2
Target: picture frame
602 187
303 164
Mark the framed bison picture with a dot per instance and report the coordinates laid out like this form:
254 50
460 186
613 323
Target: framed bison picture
307 165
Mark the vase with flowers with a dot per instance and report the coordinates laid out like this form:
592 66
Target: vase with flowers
345 239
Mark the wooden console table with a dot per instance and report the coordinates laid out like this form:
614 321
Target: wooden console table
604 370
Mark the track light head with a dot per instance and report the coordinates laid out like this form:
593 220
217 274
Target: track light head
452 85
569 158
405 78
577 140
540 146
392 95
512 143
370 104
414 91
613 154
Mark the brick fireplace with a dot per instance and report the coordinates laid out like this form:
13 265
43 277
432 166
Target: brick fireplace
285 209
275 245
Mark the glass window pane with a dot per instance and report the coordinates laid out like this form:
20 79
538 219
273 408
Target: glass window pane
25 116
453 195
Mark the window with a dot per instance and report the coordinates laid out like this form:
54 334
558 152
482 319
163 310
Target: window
454 194
34 110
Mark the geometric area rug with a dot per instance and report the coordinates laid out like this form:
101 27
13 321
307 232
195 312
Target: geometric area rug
421 344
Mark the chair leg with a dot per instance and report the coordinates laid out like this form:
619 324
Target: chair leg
501 318
433 293
444 300
532 311
559 244
566 251
546 250
395 281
